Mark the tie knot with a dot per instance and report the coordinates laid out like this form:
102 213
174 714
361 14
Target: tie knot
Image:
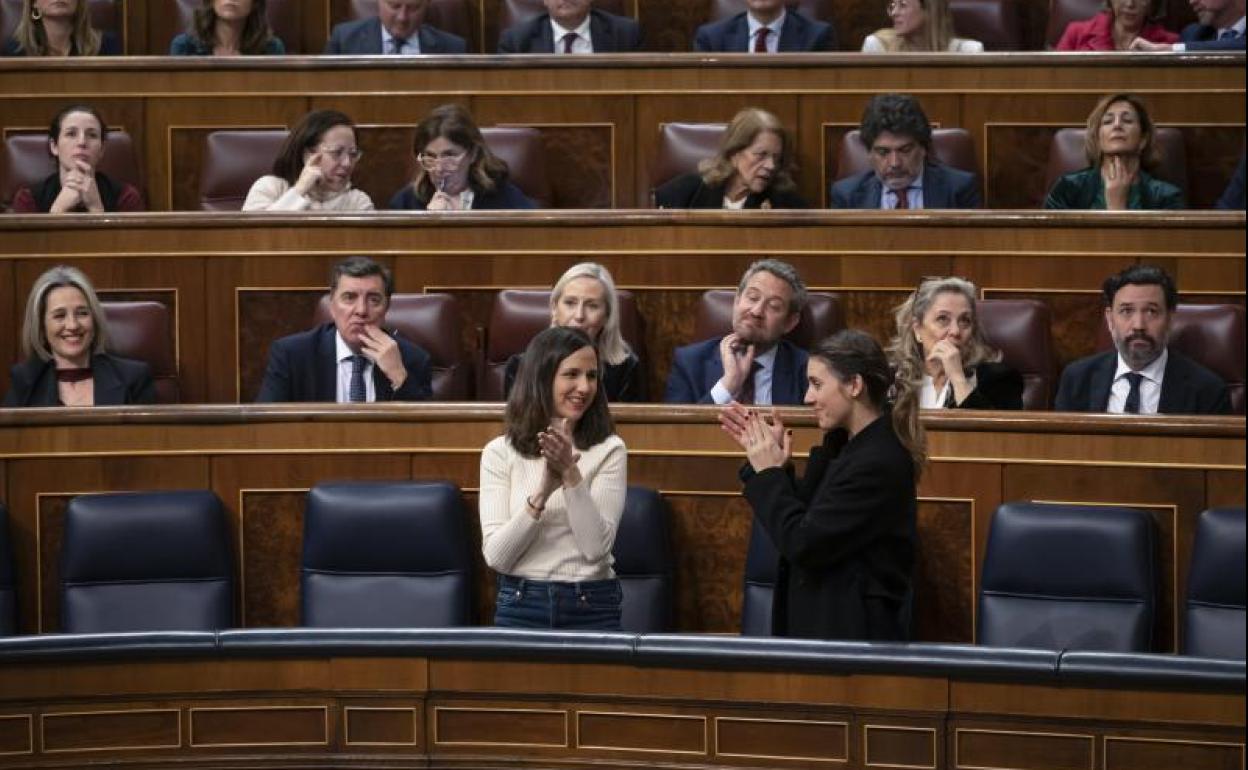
1135 378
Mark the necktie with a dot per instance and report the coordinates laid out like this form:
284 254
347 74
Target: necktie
1132 405
760 40
357 393
746 396
568 40
903 199
396 46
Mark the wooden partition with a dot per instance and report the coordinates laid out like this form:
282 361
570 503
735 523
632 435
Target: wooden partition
261 461
234 283
599 119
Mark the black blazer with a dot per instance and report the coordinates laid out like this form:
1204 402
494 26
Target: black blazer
797 34
304 367
363 38
944 187
846 535
118 381
688 191
608 33
997 386
623 381
1186 386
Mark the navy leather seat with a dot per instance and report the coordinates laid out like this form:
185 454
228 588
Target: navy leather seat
761 563
386 555
1214 621
643 562
146 561
8 586
1068 577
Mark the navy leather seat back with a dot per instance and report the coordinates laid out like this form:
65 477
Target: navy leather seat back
643 562
761 563
386 555
8 585
146 561
1068 577
1214 622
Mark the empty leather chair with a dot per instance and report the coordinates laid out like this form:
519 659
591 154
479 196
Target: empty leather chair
27 162
105 16
1067 154
8 581
1022 330
821 318
141 330
283 16
1213 622
454 16
146 561
1080 577
233 161
995 23
954 147
643 563
386 555
681 147
762 563
819 10
1063 12
433 322
516 318
521 147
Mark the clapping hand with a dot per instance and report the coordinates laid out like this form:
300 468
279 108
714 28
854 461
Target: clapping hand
766 443
560 453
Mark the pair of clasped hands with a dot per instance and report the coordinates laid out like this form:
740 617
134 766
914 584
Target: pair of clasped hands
766 442
78 188
559 451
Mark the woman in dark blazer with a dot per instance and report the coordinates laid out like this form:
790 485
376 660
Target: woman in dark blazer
845 530
63 337
228 28
753 169
940 352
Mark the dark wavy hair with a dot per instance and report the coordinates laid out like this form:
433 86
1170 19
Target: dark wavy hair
1141 275
898 114
452 122
307 134
256 30
531 404
54 128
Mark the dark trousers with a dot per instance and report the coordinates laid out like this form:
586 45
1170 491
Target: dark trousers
591 605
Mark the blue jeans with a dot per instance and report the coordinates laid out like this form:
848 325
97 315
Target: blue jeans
591 605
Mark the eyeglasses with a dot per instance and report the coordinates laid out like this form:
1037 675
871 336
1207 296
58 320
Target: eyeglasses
897 5
338 153
447 160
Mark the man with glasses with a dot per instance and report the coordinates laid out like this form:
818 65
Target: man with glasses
398 28
903 174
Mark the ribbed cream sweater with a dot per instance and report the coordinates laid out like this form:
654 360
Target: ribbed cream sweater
572 540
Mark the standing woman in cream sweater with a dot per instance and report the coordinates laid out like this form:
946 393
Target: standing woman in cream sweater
552 492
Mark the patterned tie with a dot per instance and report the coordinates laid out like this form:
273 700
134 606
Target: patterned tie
1132 405
568 40
760 40
357 392
396 46
746 396
903 199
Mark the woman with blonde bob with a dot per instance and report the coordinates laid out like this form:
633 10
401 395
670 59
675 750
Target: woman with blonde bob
1119 145
64 337
584 298
919 25
940 351
58 28
753 169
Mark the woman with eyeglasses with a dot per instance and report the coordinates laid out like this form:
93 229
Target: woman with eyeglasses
455 170
312 171
919 25
753 169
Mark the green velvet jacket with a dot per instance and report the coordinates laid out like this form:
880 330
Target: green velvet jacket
1085 190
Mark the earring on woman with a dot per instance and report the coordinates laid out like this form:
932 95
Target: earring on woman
35 13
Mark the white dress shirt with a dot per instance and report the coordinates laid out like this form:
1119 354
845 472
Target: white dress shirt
773 39
344 373
930 399
582 44
762 380
411 45
888 200
1150 386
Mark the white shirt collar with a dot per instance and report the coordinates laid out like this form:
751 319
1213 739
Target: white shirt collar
559 30
1152 372
411 45
341 347
774 26
767 360
1238 26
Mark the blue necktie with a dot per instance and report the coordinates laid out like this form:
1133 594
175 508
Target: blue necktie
1132 405
357 392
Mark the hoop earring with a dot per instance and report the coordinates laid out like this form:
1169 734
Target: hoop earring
35 13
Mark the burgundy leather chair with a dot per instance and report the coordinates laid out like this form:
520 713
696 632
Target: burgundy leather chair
432 321
1063 12
26 161
283 16
519 314
233 160
995 23
521 147
1212 336
454 16
681 147
513 12
141 330
822 317
953 147
106 16
1022 330
819 10
1067 154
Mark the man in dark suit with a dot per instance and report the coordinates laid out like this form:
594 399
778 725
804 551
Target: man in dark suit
765 27
352 359
1220 26
570 26
903 174
753 364
1141 375
398 28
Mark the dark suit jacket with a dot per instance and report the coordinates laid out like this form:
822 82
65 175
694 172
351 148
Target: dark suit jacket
846 535
697 367
304 367
944 187
363 37
506 196
1233 196
118 381
623 381
1186 387
1197 37
796 35
997 386
688 191
607 32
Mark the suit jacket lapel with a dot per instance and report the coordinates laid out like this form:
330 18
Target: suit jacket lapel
1173 388
326 367
381 385
1102 381
712 369
790 34
544 36
783 375
599 36
428 43
739 35
109 391
870 192
935 190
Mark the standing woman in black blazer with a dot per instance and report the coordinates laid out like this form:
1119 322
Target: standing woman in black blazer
940 351
846 530
63 337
